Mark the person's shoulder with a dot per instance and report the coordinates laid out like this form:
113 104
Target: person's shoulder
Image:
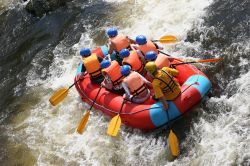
166 69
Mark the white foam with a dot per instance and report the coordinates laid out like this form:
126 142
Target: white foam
226 140
221 141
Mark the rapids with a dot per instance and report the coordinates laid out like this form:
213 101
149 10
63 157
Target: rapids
39 55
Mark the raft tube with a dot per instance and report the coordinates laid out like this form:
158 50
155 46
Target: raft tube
149 115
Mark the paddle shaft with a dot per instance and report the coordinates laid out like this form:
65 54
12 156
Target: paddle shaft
95 98
201 61
168 120
182 63
164 53
165 106
123 102
74 83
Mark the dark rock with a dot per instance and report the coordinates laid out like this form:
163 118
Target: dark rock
40 7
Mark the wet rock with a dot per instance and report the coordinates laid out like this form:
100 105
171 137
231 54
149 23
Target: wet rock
40 7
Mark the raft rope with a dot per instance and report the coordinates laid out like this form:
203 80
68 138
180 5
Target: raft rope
131 113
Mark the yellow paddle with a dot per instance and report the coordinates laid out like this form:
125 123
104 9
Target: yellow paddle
199 61
173 143
166 39
85 117
115 123
60 94
172 139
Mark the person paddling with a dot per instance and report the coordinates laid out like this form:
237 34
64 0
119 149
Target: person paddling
135 85
112 76
91 65
146 45
134 59
117 42
164 85
160 59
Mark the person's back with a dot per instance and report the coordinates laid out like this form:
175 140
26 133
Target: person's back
170 88
160 60
133 59
91 64
163 81
117 42
145 45
112 76
134 85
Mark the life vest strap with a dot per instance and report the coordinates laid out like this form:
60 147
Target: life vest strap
95 74
139 90
118 81
169 86
141 68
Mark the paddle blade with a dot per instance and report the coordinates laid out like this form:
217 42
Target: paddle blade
210 60
83 122
58 96
173 144
168 39
114 126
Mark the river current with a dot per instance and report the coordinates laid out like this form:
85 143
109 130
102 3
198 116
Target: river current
40 55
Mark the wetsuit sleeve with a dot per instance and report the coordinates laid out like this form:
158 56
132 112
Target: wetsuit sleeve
157 89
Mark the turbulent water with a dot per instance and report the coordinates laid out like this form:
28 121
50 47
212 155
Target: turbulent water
39 55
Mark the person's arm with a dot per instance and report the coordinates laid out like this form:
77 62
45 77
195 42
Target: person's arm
171 71
107 83
111 47
164 103
141 57
127 94
157 89
131 40
149 84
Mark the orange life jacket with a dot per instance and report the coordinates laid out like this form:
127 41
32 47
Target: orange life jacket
120 42
92 66
114 73
135 84
134 61
149 46
162 61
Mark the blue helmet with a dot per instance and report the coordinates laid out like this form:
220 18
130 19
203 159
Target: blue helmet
112 32
124 53
105 64
141 39
85 52
151 55
125 70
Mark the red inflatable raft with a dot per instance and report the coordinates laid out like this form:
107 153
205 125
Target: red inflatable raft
149 115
